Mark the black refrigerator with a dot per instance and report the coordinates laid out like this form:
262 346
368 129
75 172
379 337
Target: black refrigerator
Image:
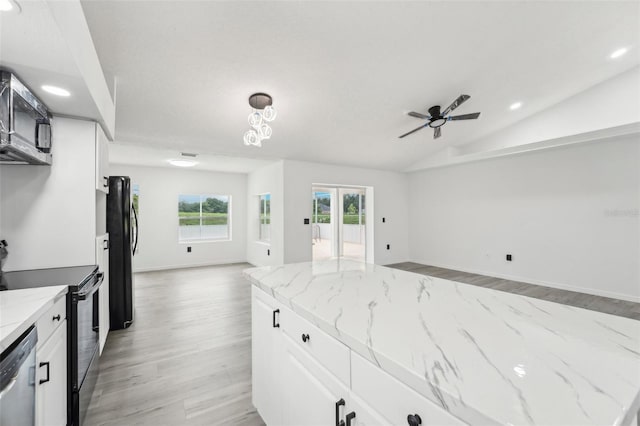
122 227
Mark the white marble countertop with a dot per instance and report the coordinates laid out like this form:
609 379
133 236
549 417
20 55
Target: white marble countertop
486 356
20 309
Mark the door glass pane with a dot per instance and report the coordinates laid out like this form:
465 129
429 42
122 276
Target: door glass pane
353 224
322 231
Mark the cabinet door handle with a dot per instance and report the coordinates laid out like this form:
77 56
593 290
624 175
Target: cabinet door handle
414 420
105 182
350 416
276 325
105 244
56 318
306 338
42 364
338 404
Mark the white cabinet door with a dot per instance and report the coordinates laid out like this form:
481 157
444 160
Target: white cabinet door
365 415
266 357
102 161
102 259
51 379
312 392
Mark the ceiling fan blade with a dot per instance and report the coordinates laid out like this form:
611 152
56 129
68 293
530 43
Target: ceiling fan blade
418 115
455 104
465 116
414 130
436 133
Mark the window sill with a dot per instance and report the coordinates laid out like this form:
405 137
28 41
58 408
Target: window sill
226 240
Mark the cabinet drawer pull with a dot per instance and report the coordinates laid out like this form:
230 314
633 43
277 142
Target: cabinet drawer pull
414 420
338 404
276 325
306 338
56 318
42 364
350 416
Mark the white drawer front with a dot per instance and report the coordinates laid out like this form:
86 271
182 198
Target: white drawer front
329 352
50 320
391 398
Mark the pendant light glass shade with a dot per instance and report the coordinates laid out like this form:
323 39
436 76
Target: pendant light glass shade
255 119
251 137
269 113
264 131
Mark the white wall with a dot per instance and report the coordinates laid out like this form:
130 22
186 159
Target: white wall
268 179
48 213
390 201
158 217
569 216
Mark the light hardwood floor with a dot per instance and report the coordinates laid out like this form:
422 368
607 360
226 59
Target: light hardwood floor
607 305
186 360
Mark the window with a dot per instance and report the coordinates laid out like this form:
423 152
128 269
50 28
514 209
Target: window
204 217
265 218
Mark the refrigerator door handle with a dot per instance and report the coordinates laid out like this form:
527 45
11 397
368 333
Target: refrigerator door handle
135 243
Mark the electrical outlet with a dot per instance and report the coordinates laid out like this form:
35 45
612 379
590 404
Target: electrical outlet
388 246
509 258
189 249
384 219
306 221
268 252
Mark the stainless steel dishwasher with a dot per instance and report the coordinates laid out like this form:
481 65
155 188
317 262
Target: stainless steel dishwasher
17 381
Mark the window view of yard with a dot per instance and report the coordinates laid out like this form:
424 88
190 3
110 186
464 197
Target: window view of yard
322 209
265 217
204 217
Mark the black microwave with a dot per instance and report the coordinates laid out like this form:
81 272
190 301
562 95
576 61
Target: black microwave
25 124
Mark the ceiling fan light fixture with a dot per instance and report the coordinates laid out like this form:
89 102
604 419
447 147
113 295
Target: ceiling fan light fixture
437 122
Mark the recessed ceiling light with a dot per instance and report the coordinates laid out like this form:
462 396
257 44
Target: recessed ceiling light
58 91
182 163
514 106
619 52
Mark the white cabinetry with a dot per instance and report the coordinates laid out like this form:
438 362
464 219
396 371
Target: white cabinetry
304 377
51 367
266 341
102 259
102 161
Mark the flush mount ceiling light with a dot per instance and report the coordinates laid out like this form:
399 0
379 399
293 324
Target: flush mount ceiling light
619 52
262 113
182 163
9 6
514 106
58 91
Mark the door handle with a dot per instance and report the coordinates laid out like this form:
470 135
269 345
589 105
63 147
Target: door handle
414 420
350 416
43 364
338 404
276 325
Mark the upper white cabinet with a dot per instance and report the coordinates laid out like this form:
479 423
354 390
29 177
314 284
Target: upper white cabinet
102 161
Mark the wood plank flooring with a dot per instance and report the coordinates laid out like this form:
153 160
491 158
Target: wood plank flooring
186 360
587 301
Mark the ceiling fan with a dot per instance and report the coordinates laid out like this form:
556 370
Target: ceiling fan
436 119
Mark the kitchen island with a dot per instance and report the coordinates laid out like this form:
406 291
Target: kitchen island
481 355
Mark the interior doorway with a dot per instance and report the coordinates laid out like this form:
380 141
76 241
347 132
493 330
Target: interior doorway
339 222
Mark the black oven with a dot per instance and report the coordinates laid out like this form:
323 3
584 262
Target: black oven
83 305
82 327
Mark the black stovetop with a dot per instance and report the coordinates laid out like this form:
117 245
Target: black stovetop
75 276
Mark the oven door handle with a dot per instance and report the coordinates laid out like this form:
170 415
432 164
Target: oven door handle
83 295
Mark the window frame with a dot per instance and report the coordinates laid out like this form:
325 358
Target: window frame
203 197
260 219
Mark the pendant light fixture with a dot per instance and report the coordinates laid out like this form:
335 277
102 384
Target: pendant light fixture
262 114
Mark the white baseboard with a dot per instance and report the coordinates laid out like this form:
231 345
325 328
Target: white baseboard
560 286
187 266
